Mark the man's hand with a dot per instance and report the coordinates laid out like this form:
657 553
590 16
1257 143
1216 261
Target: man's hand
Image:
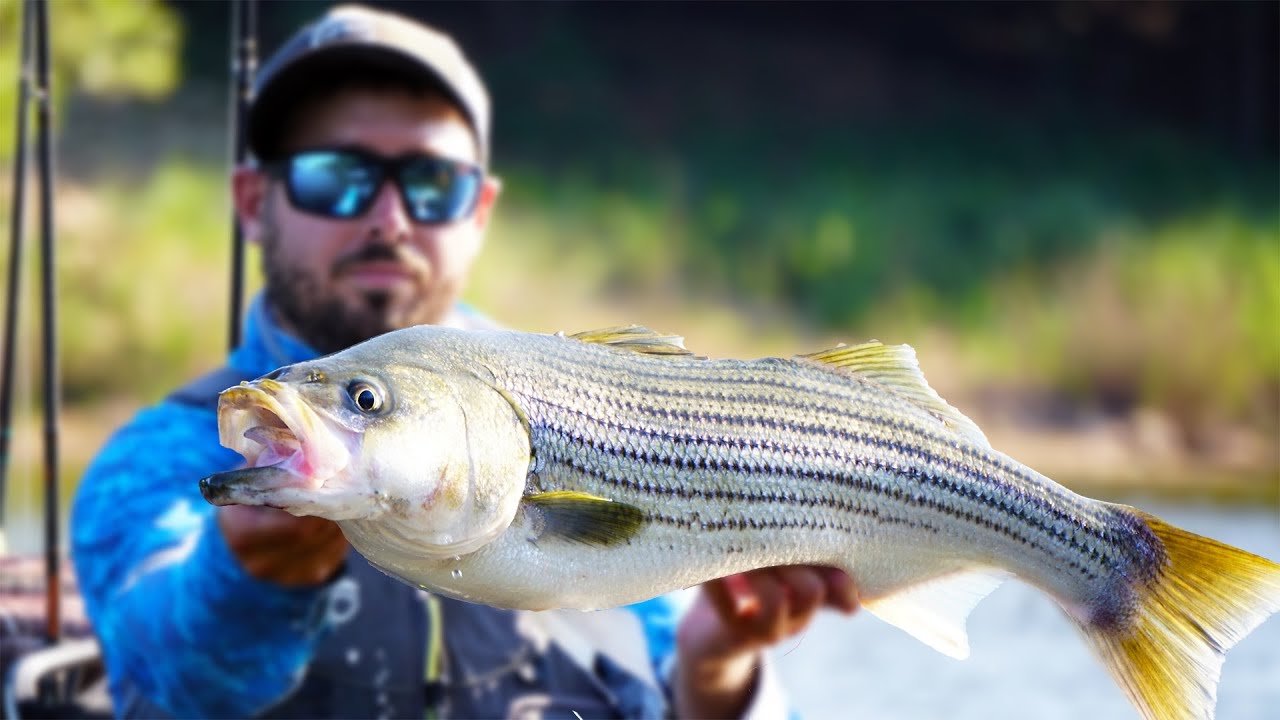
275 546
720 640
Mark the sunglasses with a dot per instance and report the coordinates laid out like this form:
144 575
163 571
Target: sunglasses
343 183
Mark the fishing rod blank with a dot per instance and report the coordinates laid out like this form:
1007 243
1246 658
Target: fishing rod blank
13 291
244 54
49 323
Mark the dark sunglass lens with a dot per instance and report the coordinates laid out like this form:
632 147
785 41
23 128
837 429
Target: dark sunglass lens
438 191
335 184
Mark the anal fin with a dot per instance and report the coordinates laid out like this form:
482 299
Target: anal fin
935 611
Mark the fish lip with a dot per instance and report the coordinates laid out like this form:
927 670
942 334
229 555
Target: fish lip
247 486
276 487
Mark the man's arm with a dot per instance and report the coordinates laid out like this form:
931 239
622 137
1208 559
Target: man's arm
721 639
178 616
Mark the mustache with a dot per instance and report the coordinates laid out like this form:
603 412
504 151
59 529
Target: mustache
372 252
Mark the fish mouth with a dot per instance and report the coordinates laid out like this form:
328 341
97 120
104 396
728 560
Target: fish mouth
255 423
290 450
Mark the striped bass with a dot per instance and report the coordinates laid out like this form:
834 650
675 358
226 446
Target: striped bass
599 469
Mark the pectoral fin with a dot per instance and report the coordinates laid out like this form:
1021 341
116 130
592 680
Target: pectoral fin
584 518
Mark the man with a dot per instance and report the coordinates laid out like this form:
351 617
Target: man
370 200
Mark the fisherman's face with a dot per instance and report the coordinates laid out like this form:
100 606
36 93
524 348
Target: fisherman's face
336 282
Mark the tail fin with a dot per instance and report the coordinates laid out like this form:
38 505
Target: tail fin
1168 658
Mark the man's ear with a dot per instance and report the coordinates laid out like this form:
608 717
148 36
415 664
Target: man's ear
249 188
489 191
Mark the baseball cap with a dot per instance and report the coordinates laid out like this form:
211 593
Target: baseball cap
354 35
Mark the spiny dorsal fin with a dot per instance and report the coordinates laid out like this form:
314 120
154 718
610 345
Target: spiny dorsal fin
895 367
635 338
585 518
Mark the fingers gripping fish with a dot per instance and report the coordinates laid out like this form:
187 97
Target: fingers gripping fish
607 467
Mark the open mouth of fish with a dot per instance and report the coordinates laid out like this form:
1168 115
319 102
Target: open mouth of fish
289 450
256 428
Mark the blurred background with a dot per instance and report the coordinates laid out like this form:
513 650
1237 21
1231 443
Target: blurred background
1071 210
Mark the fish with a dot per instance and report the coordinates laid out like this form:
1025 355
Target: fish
540 471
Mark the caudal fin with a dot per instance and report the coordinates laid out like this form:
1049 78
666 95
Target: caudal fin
1168 656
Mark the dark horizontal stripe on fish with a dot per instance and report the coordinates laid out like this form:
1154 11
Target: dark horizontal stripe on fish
821 384
971 492
1073 508
798 377
745 524
801 500
842 479
693 518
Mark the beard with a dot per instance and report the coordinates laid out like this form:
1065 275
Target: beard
323 319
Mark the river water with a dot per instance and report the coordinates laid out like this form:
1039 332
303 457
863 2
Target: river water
1026 659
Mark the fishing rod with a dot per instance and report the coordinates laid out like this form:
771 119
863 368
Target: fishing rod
13 292
244 63
49 323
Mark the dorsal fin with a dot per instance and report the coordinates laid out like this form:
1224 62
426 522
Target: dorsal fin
895 367
635 338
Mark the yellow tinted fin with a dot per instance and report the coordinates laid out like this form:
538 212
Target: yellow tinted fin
635 338
895 367
584 518
1167 656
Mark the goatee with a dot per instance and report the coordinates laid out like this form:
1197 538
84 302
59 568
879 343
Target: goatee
325 322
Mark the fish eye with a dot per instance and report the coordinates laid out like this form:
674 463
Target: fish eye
366 397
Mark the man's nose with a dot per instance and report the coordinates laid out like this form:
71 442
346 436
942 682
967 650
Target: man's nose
388 213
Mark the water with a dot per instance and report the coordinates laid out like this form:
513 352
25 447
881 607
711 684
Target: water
1026 661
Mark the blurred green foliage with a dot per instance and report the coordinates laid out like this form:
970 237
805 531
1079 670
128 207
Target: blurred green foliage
144 278
1179 317
1055 282
109 48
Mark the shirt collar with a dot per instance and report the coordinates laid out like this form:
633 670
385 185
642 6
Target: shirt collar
265 345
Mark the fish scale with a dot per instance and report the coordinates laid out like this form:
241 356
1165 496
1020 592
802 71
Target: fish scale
830 419
593 399
539 471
